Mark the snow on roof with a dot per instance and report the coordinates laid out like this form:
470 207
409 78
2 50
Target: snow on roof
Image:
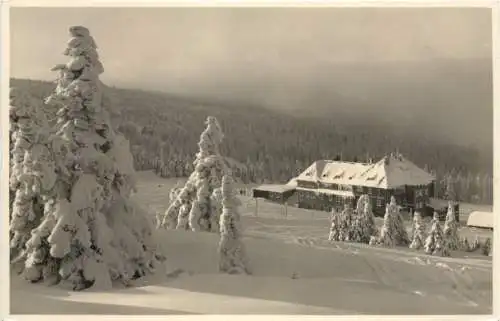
292 182
327 191
480 219
275 188
390 172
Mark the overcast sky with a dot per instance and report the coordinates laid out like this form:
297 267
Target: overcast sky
270 55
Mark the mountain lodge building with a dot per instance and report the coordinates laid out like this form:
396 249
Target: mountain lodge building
327 185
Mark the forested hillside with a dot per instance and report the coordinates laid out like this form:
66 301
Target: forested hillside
274 146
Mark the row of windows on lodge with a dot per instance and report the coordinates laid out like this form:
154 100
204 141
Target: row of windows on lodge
378 201
310 196
355 189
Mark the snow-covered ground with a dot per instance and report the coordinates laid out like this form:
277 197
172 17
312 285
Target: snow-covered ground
295 271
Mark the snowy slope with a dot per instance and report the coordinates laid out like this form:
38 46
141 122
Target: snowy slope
295 272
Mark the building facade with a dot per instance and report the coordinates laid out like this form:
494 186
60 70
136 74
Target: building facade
328 185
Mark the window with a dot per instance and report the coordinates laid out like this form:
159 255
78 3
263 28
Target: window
338 201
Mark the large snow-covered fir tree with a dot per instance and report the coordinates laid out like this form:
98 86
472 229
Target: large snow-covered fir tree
393 231
232 254
450 230
418 231
434 243
197 193
363 223
91 233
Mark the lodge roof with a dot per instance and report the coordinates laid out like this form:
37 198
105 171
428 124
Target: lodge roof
390 172
275 188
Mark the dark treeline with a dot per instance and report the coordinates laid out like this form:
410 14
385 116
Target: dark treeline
272 146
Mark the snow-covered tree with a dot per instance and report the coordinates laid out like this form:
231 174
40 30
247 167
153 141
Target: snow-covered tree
475 245
450 231
464 244
486 249
335 226
198 190
393 231
30 166
399 227
363 223
434 243
418 228
345 226
91 233
386 236
232 254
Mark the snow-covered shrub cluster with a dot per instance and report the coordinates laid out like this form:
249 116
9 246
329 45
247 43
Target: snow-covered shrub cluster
194 207
91 233
353 225
232 255
393 231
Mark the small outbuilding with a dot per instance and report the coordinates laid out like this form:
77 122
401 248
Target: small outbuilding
273 192
480 219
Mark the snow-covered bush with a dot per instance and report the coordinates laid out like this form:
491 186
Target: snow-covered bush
450 230
418 231
201 184
434 243
232 254
91 233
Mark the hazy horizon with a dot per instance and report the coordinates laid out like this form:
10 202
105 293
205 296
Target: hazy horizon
418 67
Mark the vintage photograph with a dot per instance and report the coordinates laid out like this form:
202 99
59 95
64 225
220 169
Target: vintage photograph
250 160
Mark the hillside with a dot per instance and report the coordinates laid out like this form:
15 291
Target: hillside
345 278
276 145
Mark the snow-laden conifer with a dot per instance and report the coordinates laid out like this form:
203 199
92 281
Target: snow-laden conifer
418 231
434 243
450 230
393 231
363 223
198 190
91 233
31 168
387 235
400 233
334 226
486 249
232 254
